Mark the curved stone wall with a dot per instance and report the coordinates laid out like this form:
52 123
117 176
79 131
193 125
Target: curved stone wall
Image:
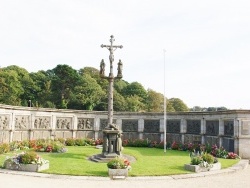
230 129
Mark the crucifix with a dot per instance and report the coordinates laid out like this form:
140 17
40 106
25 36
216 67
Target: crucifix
111 77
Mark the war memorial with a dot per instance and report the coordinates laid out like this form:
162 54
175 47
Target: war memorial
229 129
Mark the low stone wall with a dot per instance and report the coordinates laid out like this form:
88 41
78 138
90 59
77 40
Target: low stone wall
230 129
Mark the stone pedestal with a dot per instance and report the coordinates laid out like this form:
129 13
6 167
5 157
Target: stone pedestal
112 143
112 146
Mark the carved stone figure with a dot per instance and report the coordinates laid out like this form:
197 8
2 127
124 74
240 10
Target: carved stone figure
102 68
3 122
119 144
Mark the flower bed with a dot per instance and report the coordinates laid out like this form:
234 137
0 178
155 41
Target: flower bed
26 161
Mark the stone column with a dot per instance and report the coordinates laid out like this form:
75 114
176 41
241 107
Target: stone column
74 126
237 128
203 130
140 128
183 129
97 127
221 131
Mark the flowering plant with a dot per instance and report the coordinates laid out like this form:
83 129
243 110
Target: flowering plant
118 163
204 159
26 158
232 155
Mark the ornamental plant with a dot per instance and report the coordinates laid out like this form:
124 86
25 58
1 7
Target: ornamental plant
232 155
118 163
29 157
204 159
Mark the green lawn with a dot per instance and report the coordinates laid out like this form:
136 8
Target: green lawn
150 162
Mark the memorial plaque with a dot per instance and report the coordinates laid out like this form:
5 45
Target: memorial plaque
151 126
193 126
212 127
129 125
173 126
229 128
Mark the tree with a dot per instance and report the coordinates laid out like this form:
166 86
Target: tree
119 102
87 93
178 105
64 79
10 87
134 104
120 85
44 94
155 101
29 87
137 89
170 108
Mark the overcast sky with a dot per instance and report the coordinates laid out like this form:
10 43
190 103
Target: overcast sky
207 43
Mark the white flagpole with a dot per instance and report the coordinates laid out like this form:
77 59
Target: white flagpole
165 104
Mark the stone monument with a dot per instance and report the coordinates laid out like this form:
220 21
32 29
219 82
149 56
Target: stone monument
112 142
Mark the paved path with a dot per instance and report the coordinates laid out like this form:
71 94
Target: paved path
237 176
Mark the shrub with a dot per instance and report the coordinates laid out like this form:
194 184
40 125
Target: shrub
98 141
90 142
4 148
70 142
80 142
175 146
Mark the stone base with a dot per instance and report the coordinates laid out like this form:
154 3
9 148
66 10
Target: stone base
26 167
102 158
118 173
198 168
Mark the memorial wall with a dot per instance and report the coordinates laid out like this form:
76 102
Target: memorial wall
230 129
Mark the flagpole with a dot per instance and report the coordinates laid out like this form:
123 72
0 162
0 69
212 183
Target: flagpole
165 103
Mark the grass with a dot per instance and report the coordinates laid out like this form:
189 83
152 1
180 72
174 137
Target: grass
150 162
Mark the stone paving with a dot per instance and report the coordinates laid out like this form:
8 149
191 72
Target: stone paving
235 176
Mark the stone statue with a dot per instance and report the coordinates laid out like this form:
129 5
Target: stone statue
119 73
119 144
102 68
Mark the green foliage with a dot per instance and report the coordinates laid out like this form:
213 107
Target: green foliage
80 142
4 148
117 163
196 160
65 87
178 105
208 158
28 157
155 101
70 142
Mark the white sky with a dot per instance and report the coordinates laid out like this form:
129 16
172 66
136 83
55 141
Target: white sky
207 43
